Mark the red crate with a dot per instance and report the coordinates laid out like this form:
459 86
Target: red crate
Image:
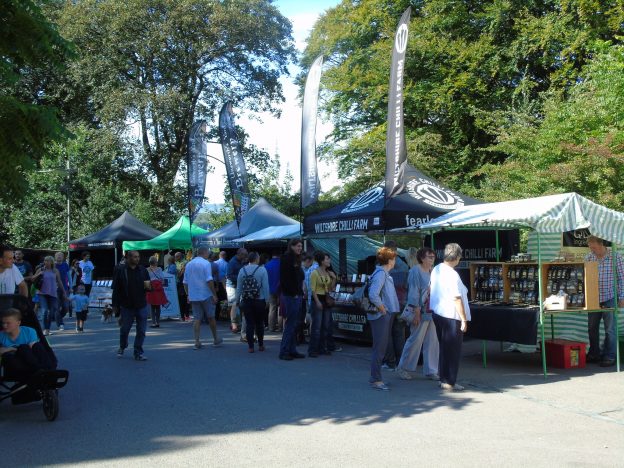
565 354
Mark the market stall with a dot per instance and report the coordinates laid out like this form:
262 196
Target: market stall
111 237
260 216
529 283
177 237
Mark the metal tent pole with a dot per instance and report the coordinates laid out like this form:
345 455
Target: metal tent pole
541 303
615 304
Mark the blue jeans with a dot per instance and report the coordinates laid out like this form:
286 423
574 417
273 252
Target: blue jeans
320 329
593 330
128 316
292 306
49 308
380 329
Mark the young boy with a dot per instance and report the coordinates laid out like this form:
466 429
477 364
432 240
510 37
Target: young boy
80 305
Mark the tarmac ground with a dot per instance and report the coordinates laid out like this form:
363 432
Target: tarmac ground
226 407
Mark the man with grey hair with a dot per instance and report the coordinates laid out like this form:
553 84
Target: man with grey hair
601 254
199 286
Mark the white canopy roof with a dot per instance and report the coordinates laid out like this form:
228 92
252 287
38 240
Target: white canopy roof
272 233
553 213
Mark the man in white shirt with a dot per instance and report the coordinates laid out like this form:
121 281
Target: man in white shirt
87 267
200 289
10 276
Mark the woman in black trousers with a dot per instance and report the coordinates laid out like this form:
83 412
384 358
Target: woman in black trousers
449 301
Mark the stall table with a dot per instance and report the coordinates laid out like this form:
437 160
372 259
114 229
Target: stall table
500 322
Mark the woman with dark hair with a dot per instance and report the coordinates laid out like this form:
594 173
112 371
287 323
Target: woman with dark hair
451 314
422 329
322 281
291 284
382 295
49 289
252 291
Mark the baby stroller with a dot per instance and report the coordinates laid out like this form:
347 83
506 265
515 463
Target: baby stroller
42 384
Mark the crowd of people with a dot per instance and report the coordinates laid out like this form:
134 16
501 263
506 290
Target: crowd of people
288 293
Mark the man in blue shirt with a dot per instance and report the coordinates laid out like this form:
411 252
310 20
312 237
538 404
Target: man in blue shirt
273 270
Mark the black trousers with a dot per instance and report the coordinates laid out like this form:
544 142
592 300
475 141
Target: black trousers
25 361
254 315
450 338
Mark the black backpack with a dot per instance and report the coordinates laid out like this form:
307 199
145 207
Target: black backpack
250 288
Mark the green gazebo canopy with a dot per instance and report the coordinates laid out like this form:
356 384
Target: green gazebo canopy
177 237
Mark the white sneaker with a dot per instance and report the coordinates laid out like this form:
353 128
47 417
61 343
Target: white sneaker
61 328
46 332
404 375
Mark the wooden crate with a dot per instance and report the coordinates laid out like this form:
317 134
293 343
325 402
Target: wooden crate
473 268
590 282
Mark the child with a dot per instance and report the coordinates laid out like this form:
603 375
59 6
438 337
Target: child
80 305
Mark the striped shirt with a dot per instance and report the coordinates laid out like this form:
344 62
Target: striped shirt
605 275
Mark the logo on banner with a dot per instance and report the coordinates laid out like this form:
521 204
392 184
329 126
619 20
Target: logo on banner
400 41
433 194
364 200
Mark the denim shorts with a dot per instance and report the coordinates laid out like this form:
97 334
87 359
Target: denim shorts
203 309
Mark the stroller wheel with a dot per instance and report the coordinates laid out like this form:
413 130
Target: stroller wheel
50 404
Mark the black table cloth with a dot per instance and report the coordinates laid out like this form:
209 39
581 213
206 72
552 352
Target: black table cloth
504 323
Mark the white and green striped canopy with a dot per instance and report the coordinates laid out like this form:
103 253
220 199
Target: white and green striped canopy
549 214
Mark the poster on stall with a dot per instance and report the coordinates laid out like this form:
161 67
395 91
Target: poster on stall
101 294
172 308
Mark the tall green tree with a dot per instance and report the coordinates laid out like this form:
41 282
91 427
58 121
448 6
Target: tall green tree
465 61
577 143
154 66
102 183
28 42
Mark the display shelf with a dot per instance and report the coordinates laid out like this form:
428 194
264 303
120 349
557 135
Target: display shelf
579 280
516 283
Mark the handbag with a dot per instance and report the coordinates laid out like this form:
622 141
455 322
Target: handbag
329 301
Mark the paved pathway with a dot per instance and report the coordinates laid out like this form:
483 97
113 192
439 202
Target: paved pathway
225 407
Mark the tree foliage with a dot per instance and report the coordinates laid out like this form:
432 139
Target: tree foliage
28 42
577 144
154 66
466 62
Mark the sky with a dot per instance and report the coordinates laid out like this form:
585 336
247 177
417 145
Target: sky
281 136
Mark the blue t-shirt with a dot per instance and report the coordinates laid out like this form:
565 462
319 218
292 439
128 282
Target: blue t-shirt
80 302
26 335
273 270
63 269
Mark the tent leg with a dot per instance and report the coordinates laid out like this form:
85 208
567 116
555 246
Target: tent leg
541 303
115 257
614 254
484 344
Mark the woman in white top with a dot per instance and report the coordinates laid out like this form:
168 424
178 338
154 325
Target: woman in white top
451 314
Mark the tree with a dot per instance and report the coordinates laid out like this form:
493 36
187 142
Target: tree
102 184
465 61
28 42
576 146
154 66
